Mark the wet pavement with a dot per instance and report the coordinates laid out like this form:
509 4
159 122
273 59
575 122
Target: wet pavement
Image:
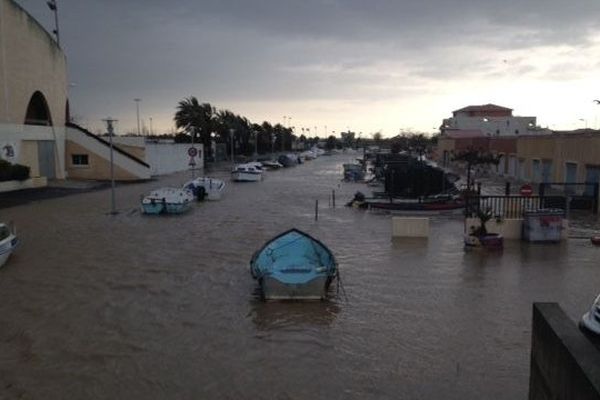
94 306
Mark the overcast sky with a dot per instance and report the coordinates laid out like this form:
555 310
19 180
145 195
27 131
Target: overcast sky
367 65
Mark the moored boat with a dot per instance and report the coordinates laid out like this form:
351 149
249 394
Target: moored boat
246 173
294 266
211 188
167 200
288 160
270 164
426 204
591 319
8 242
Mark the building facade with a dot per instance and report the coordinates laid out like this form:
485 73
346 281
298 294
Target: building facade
33 94
560 157
490 120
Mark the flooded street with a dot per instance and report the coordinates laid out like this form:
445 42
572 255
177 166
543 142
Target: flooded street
94 306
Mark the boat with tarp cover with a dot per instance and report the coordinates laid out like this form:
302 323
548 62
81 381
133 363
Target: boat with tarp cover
294 266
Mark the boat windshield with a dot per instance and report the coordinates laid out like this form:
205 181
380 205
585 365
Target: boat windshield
4 232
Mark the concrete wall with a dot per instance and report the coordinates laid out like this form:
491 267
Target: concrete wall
126 169
410 227
510 228
32 183
492 126
564 363
23 140
30 61
166 158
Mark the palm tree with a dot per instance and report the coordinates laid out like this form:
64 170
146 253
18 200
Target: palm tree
196 119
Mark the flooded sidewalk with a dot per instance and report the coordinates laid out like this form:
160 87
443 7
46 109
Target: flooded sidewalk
130 306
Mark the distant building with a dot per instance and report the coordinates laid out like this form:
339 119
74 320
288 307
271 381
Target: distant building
490 120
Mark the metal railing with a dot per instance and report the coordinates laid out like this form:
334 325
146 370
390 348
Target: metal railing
512 206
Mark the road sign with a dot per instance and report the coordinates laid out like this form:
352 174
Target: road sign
192 162
526 190
192 152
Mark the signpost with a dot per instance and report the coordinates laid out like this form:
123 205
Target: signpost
192 152
526 190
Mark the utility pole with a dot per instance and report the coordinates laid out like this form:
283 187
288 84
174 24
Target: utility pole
137 105
231 131
54 7
255 143
109 128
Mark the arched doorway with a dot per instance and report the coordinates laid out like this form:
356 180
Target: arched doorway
38 112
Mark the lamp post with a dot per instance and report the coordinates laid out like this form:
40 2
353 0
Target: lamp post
585 121
213 147
255 143
231 131
272 144
192 162
137 106
109 128
54 7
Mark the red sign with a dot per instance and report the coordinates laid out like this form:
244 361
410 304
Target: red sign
192 152
526 190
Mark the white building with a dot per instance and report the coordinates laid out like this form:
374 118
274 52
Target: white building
491 120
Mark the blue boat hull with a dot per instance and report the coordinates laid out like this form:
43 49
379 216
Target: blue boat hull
153 208
177 208
294 266
315 289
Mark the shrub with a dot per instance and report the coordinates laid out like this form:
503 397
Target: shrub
11 172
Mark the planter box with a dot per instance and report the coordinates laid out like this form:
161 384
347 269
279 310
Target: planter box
31 183
410 227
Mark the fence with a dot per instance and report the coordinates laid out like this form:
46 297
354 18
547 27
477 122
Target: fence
512 206
584 196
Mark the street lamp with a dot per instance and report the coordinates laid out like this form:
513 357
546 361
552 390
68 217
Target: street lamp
584 120
54 7
109 128
137 106
255 143
231 131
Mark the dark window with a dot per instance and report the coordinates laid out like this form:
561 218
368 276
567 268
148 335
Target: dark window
497 131
37 111
80 159
516 131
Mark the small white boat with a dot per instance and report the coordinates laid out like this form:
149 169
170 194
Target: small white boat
212 188
270 164
246 173
8 243
167 200
591 319
308 155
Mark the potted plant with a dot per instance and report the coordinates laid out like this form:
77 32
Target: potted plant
480 237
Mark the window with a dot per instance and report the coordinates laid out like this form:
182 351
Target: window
79 159
516 131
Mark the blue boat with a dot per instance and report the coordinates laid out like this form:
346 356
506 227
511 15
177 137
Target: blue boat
294 266
167 200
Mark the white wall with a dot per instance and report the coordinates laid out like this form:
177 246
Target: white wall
137 141
506 126
166 158
103 150
13 135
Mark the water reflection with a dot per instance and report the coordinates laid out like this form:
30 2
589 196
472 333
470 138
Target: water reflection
293 314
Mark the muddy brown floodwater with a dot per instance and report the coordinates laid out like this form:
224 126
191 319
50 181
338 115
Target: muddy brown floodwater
94 306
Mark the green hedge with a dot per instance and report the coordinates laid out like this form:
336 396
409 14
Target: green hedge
13 172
